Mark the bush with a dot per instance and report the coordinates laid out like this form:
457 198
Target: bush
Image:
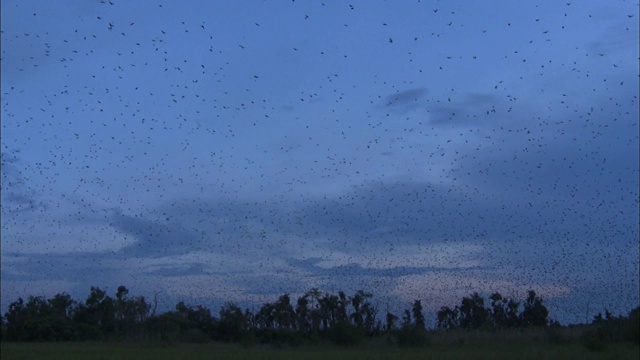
165 328
278 337
247 340
85 332
618 329
413 338
631 330
555 336
345 334
593 340
194 336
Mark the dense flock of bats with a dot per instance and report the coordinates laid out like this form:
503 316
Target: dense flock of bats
133 117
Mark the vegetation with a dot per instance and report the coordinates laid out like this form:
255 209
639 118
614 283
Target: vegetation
315 318
119 350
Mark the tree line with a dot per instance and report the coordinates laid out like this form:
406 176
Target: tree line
314 316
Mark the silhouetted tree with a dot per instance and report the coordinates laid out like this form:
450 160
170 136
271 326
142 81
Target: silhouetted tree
129 313
391 321
329 305
498 311
361 305
39 319
512 316
62 305
418 317
369 311
265 317
341 312
406 320
302 315
447 318
310 313
317 315
412 332
96 316
196 317
15 319
534 313
472 313
356 315
284 315
233 322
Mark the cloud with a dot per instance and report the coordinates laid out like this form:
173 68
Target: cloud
178 271
79 267
355 270
420 213
496 199
568 175
474 110
403 102
404 98
154 238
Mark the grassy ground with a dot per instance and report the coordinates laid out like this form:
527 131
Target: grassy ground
107 351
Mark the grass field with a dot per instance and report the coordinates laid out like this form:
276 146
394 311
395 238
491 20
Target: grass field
107 351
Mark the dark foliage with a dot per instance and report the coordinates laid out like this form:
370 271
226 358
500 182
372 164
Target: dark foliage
502 313
612 329
316 317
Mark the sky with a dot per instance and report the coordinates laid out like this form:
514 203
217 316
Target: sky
239 150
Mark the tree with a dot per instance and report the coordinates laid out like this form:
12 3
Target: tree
61 309
302 315
123 315
129 312
121 292
166 327
391 321
96 316
329 305
498 312
360 304
534 313
504 311
513 319
62 305
369 311
40 319
283 313
472 313
310 312
265 317
341 310
233 322
419 320
315 311
406 320
15 319
447 318
413 332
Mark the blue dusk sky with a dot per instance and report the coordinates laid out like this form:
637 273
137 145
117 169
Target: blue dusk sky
213 151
